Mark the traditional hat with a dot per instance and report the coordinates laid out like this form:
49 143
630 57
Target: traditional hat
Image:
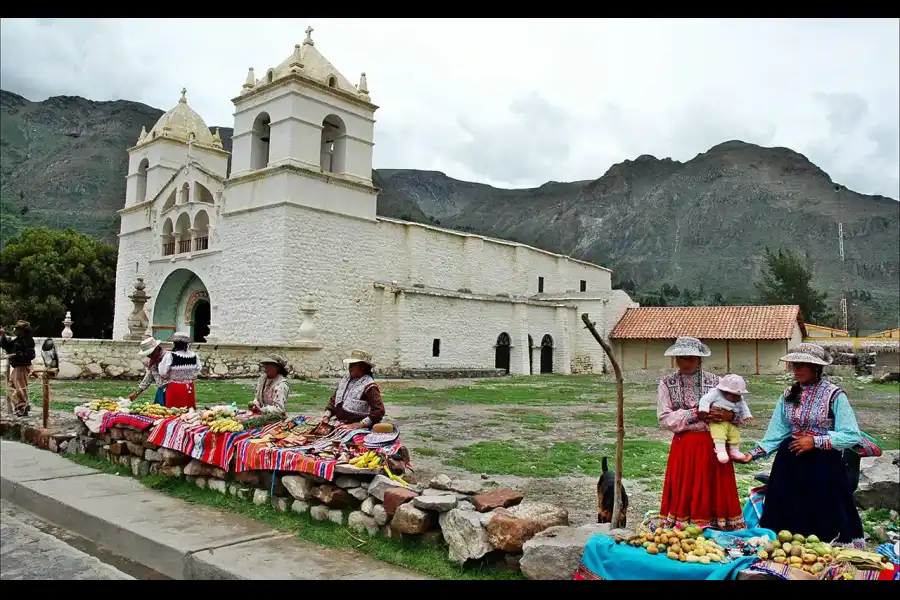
276 360
359 356
688 346
148 346
23 325
180 336
733 384
381 439
811 354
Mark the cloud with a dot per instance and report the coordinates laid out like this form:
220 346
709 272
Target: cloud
517 102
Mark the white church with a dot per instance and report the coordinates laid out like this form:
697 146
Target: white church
287 250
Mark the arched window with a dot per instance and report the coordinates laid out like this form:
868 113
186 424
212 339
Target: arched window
141 181
183 233
170 201
259 144
332 82
202 193
547 354
185 193
334 145
168 238
201 231
502 352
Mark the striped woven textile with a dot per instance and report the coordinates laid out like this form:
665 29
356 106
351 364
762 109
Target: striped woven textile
139 422
197 441
265 457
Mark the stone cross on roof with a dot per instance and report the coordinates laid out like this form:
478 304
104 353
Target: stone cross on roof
183 95
309 41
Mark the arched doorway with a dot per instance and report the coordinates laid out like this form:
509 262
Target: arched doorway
530 355
547 354
501 352
178 303
201 317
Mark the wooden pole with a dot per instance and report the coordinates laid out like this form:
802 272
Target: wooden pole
45 392
620 418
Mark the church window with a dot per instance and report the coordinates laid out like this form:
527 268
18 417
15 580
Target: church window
333 145
583 285
540 285
436 347
185 193
332 81
259 145
141 194
270 76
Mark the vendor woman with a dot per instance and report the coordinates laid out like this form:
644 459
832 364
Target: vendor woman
272 389
154 352
357 398
808 490
180 368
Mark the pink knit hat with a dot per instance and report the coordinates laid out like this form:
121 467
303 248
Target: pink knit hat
733 384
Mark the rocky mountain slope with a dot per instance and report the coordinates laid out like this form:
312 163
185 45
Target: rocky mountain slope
702 224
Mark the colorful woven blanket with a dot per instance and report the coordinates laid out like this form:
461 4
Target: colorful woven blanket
139 422
198 442
262 456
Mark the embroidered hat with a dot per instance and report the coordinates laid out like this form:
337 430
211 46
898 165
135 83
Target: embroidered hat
359 356
180 336
811 354
688 346
148 346
733 384
379 439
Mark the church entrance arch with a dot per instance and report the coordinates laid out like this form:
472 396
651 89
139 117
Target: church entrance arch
547 354
501 352
182 304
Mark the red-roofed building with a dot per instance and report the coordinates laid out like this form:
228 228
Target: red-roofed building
746 340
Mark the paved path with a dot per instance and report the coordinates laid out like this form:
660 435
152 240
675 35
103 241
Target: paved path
27 552
166 535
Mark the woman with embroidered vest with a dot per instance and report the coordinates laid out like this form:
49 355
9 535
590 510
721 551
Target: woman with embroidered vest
357 398
698 489
272 389
808 490
151 349
180 368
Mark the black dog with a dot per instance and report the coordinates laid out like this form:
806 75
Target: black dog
605 497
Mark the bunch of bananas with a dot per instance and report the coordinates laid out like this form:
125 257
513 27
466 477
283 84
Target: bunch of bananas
150 409
369 460
225 425
212 415
104 404
393 477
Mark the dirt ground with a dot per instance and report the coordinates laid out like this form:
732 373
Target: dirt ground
544 435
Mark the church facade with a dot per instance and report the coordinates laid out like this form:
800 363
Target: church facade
287 250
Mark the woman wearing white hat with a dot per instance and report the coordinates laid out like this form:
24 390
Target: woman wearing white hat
180 367
357 398
698 489
151 349
808 490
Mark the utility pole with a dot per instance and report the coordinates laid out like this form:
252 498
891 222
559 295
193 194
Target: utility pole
838 189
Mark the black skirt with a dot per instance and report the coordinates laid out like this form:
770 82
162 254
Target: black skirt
810 494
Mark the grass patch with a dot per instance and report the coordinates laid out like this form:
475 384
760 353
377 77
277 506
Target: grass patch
534 420
426 452
411 554
596 417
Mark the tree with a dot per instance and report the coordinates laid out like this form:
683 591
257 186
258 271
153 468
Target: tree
45 272
786 280
652 299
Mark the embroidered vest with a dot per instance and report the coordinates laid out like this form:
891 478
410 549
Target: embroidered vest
684 389
813 413
349 394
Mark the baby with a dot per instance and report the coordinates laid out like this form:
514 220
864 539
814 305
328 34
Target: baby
727 395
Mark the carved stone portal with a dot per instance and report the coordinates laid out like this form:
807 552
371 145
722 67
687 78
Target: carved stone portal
138 321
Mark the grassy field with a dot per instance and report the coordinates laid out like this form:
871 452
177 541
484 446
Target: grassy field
545 435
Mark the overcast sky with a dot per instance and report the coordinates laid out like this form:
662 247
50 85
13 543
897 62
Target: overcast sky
515 103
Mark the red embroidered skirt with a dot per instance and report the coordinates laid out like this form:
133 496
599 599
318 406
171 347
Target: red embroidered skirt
698 489
180 395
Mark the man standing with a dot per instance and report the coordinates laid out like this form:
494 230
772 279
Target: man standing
19 353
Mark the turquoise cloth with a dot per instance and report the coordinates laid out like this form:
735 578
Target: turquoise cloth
160 396
621 562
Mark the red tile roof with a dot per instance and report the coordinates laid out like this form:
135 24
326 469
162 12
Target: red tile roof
709 322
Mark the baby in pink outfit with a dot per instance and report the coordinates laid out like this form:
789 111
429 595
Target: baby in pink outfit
729 395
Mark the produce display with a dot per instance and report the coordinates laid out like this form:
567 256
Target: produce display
151 409
104 404
221 420
685 545
369 460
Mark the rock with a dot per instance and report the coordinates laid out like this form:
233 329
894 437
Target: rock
364 485
409 519
394 497
513 561
135 437
152 455
196 468
154 468
245 493
260 497
332 496
499 498
510 528
117 448
173 457
273 483
282 504
440 482
879 533
250 478
139 466
301 507
433 537
59 441
435 503
380 515
217 485
466 486
298 487
464 535
347 481
319 513
367 505
555 552
136 449
388 532
379 485
465 504
76 446
117 433
879 482
486 517
200 482
336 516
361 522
358 493
170 470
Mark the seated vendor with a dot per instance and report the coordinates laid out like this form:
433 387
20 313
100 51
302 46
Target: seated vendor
357 398
272 389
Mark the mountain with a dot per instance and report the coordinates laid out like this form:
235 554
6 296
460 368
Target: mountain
702 225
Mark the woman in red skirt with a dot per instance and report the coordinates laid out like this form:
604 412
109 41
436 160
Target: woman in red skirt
698 490
180 368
